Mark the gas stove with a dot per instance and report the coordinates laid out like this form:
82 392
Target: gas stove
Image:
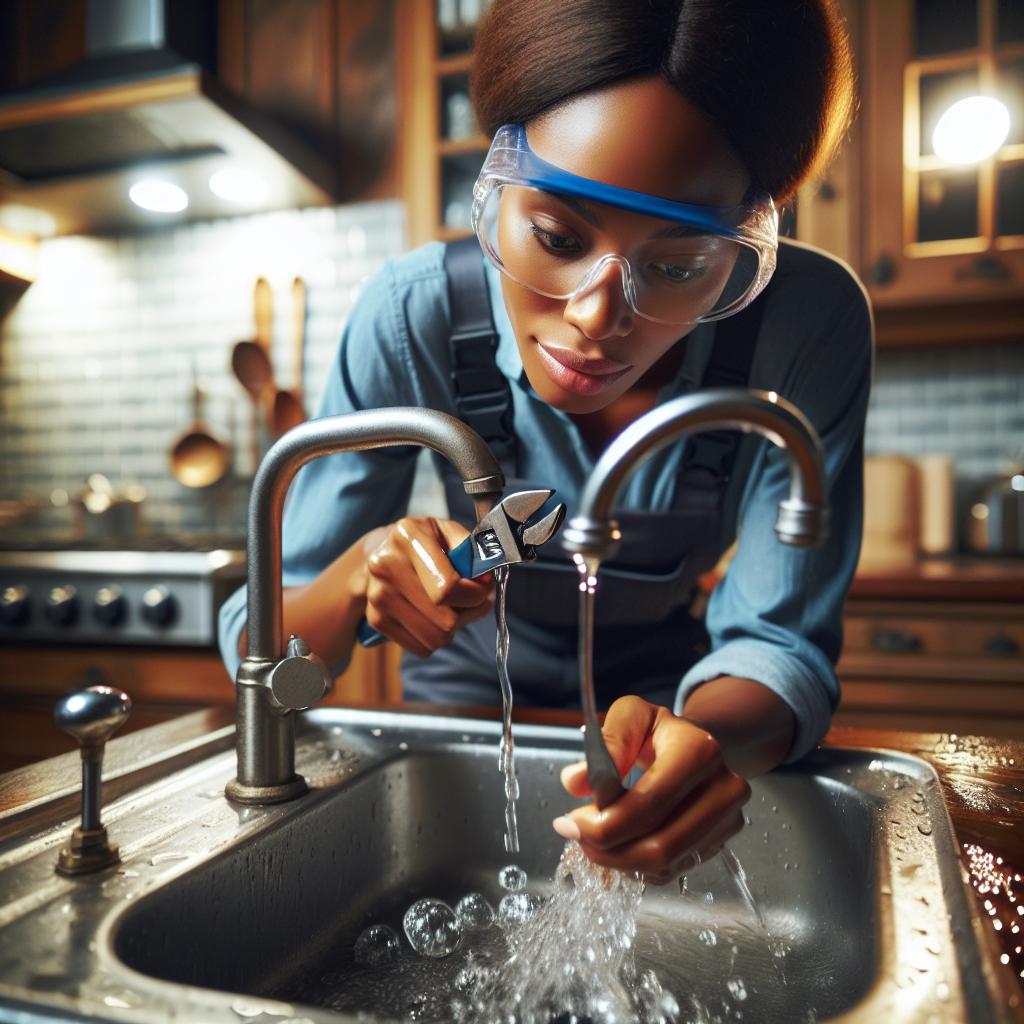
153 592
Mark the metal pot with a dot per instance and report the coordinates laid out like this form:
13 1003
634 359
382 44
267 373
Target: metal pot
995 523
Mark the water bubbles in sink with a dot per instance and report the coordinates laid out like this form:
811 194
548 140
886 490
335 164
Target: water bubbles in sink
473 911
377 945
737 989
432 928
517 907
707 936
512 878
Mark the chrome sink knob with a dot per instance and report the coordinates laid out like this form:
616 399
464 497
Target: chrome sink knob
91 716
300 679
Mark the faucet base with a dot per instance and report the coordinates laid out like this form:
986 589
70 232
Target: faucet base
242 793
89 852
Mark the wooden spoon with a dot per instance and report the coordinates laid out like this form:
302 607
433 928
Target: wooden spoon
198 459
250 360
288 411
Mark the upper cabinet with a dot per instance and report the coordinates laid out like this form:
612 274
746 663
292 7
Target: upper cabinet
326 71
442 147
927 200
942 78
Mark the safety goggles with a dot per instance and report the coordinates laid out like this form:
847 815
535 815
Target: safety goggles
562 235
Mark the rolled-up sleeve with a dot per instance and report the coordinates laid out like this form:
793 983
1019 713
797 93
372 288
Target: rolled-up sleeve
336 499
776 617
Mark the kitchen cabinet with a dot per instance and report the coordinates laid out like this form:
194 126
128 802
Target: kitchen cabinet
940 245
937 648
442 148
326 70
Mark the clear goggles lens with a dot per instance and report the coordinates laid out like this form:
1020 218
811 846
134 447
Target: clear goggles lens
670 273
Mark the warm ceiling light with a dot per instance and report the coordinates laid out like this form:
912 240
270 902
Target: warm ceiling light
27 220
238 186
971 129
158 196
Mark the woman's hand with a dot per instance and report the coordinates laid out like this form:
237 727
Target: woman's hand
413 594
681 811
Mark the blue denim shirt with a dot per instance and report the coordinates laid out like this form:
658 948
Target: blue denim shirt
776 617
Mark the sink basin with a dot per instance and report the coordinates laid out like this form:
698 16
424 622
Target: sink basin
227 913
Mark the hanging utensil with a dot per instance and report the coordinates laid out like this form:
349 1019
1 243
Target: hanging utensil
250 361
287 411
198 459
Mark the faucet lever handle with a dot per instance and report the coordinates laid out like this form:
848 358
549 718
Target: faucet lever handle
92 716
300 679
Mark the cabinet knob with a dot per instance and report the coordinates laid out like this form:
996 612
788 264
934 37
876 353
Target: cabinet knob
1002 646
896 641
883 270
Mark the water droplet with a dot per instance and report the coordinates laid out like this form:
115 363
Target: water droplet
512 878
707 936
403 745
376 732
164 858
737 989
473 911
709 898
378 944
925 828
432 928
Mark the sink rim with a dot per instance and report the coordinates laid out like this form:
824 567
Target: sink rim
446 731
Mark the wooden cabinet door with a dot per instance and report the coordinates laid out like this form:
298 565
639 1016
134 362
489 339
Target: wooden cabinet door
935 233
326 70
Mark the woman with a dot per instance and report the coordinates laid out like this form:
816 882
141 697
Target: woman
626 215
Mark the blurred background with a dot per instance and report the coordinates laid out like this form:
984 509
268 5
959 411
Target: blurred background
193 194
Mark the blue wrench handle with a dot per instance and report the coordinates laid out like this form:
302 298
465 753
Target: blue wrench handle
461 557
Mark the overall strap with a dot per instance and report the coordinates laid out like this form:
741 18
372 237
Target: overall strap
483 398
710 456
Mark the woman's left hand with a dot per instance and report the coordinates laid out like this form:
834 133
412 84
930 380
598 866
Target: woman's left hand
681 811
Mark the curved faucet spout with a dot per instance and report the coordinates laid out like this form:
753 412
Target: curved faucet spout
593 535
357 431
803 515
267 686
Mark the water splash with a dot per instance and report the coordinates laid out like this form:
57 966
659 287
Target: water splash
506 750
572 958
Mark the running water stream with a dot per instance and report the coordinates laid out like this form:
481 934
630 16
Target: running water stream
506 749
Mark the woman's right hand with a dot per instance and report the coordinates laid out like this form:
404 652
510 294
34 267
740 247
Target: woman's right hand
414 596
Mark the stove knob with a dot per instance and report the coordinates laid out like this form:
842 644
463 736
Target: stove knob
110 607
62 606
159 608
14 606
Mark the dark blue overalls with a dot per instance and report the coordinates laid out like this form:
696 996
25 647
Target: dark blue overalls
645 636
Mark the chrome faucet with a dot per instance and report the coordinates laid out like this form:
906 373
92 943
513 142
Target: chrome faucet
272 682
592 536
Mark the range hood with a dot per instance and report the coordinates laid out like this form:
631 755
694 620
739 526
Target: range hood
144 103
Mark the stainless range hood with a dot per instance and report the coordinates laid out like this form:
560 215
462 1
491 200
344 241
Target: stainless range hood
144 103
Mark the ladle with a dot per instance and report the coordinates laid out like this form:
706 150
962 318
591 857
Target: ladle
198 459
287 411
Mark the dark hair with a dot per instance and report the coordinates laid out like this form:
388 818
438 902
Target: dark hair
775 77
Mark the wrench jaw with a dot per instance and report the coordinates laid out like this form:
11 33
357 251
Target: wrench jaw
506 536
539 533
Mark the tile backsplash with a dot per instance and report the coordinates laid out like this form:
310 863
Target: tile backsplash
967 403
96 359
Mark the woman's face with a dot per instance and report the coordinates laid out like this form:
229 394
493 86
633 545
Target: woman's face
582 354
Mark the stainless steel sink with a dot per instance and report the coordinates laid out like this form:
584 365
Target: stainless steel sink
223 913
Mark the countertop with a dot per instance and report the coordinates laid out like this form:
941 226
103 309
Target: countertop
944 579
982 781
